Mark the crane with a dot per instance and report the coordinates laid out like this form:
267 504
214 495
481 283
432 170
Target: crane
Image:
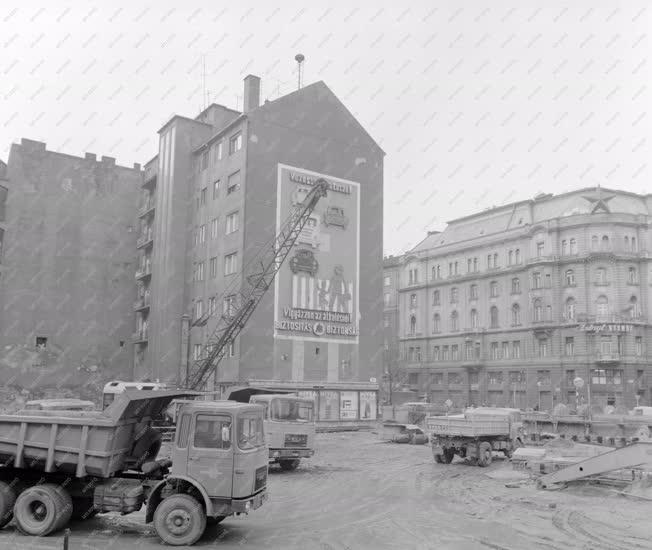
240 303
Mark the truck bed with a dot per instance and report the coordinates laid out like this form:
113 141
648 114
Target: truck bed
461 426
80 443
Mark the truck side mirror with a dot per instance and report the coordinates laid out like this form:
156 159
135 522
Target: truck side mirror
226 434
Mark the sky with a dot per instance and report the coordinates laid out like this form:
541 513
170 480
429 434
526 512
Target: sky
476 104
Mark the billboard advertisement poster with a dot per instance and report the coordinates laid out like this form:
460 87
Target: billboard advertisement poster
349 405
367 405
329 402
317 288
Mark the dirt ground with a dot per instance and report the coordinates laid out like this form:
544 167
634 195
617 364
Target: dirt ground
358 493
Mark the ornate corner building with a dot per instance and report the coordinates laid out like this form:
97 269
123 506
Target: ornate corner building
512 305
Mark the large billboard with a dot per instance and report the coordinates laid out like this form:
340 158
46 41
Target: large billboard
317 288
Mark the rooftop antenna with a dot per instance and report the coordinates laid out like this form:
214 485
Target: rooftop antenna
299 58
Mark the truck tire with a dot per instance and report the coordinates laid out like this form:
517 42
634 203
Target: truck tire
289 465
146 447
36 510
7 501
180 520
64 507
484 454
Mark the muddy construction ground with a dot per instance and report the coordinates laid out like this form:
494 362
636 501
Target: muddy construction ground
359 493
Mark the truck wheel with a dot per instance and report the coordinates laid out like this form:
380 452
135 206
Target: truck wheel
7 501
484 454
147 447
36 510
64 507
448 456
180 520
288 465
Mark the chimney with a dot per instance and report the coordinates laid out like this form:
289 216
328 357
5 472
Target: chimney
251 93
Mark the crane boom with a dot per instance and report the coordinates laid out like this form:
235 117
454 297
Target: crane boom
240 305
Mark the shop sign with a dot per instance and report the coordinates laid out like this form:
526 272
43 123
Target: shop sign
605 327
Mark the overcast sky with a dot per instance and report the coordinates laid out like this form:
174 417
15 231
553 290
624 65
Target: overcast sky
475 103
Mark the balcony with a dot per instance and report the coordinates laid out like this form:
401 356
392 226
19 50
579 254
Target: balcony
542 259
139 337
144 272
146 209
473 363
145 240
149 175
141 304
607 357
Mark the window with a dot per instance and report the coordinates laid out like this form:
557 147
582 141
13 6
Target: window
493 289
570 309
569 346
468 349
505 350
436 298
493 314
454 295
232 222
436 323
543 347
202 234
594 242
548 281
387 281
230 263
495 260
564 248
548 313
216 189
209 430
454 378
633 244
602 306
570 277
489 261
493 348
220 149
469 265
455 325
41 342
228 306
437 378
475 265
510 257
638 345
516 315
573 246
634 310
184 431
435 353
413 300
413 276
473 293
196 352
456 272
413 325
444 353
540 249
231 350
538 310
387 298
233 183
601 276
417 353
203 161
455 352
200 272
235 143
604 243
536 280
212 305
517 256
543 376
516 349
474 318
516 285
495 377
199 309
570 377
436 272
386 324
516 377
607 376
632 279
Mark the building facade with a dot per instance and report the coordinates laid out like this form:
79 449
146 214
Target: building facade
511 306
215 195
393 375
68 238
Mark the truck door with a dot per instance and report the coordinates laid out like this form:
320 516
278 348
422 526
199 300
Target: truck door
210 453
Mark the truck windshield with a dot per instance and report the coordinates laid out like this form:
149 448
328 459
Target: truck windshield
289 410
250 431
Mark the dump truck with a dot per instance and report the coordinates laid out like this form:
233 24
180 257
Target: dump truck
475 434
58 465
289 423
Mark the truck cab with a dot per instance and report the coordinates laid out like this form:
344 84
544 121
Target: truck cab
289 427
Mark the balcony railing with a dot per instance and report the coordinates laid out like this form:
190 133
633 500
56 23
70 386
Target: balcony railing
143 272
144 240
539 259
607 357
141 303
140 336
145 208
150 174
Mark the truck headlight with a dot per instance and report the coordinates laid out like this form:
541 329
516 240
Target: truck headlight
276 454
247 506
